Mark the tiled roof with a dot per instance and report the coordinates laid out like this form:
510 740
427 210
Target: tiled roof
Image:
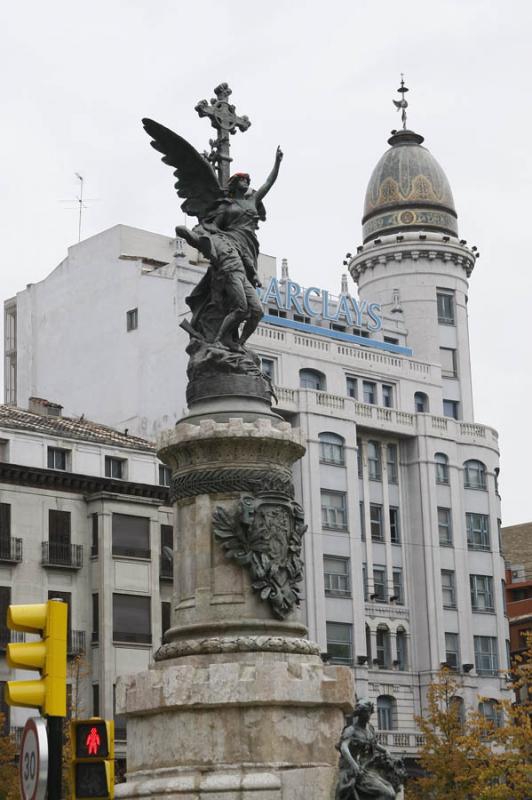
69 428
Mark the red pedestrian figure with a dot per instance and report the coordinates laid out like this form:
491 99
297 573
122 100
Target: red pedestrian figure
93 742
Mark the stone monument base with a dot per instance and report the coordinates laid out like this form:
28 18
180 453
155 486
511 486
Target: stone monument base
235 726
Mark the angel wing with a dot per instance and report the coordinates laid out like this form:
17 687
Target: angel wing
196 180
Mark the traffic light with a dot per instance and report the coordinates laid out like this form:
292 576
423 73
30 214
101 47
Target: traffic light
48 656
93 752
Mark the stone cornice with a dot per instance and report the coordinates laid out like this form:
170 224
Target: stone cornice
427 247
83 484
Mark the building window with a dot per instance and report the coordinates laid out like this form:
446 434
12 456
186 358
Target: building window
365 581
267 366
402 649
166 613
380 593
120 721
96 699
375 515
57 458
421 402
5 602
312 379
131 618
331 448
351 386
132 319
167 552
450 408
445 530
492 712
486 658
95 637
478 532
94 535
386 712
60 551
391 340
333 510
448 362
481 592
391 462
339 642
362 520
115 467
442 468
445 302
131 536
452 650
374 461
448 588
387 395
165 475
359 459
384 653
369 392
395 531
336 576
474 475
5 532
398 591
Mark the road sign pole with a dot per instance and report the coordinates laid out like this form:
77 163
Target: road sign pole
55 757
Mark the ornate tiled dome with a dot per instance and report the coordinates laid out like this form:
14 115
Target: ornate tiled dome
408 190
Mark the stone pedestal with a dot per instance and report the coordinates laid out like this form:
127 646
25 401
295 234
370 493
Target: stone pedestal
238 705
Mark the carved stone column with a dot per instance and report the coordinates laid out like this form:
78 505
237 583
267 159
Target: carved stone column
238 705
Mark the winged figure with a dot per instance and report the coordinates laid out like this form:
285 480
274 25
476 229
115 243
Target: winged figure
225 298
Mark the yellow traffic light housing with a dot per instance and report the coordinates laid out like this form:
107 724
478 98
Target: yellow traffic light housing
93 766
48 656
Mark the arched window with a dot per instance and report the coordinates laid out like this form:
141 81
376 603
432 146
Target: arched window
383 655
402 652
386 712
331 448
458 708
442 468
492 712
421 402
474 475
312 379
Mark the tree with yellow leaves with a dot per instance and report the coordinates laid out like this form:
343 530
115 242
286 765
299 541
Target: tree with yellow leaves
470 757
9 785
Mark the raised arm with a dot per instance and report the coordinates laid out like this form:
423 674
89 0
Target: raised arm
272 177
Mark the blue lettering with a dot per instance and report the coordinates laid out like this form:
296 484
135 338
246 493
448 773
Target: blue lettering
374 311
344 310
306 301
272 293
357 310
293 290
325 312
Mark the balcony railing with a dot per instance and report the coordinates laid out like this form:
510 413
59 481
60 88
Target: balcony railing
7 637
76 643
16 734
166 569
68 556
10 550
395 740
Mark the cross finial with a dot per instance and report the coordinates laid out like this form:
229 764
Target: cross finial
225 120
402 104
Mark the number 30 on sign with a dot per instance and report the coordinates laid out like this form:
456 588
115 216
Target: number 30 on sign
33 763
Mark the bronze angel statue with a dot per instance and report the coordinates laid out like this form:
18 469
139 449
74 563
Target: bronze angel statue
225 307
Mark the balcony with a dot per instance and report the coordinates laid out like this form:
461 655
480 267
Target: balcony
65 556
166 569
408 743
10 550
76 643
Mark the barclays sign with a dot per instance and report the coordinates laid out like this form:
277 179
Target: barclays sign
318 305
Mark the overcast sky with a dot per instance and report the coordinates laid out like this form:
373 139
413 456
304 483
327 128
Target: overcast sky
317 78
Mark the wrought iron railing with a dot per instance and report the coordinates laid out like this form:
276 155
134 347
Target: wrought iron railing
76 643
10 549
62 555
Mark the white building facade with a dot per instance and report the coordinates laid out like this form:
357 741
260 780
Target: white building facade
399 482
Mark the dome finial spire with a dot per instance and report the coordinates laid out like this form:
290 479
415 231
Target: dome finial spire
402 104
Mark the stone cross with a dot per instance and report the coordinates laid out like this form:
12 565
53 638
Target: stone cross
225 120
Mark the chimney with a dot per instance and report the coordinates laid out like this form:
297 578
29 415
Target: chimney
38 405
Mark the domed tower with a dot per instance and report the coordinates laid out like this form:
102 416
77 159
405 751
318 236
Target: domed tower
413 263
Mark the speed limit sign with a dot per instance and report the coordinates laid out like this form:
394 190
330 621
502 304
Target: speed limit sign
33 763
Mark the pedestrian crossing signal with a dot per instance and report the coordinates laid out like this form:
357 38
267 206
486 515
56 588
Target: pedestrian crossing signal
92 759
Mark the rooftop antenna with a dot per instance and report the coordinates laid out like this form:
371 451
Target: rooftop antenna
402 103
80 201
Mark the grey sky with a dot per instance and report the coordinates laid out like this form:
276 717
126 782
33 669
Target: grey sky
317 78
